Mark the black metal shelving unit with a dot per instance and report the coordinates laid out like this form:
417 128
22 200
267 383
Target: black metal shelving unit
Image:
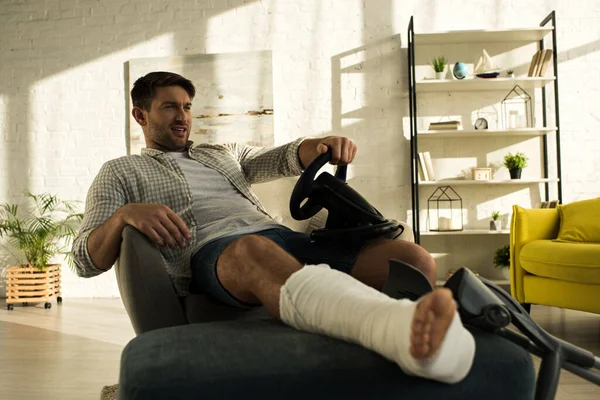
414 142
551 18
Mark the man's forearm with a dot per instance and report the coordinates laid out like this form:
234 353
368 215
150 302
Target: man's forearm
105 241
307 151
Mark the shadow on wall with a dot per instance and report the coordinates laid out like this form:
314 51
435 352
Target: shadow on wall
369 105
80 44
84 44
69 45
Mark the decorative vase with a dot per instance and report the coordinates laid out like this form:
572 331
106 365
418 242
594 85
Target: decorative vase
439 75
495 225
506 272
515 173
460 70
512 76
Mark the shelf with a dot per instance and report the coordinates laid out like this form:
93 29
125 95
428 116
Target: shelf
516 45
483 35
447 134
472 84
466 232
492 182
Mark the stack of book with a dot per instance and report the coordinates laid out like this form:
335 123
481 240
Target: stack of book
549 204
445 125
540 63
426 172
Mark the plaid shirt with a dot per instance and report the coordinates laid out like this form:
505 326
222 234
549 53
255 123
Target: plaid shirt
154 177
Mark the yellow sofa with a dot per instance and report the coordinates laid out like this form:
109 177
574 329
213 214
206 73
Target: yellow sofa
550 272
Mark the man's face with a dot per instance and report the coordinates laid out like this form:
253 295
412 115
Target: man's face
168 123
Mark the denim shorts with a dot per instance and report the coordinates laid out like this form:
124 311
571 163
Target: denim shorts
339 256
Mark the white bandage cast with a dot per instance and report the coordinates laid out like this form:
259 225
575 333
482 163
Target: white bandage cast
320 300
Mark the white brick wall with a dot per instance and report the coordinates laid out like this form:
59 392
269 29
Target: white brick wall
62 91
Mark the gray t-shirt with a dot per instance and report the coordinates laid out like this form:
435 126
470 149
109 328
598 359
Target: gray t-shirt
220 209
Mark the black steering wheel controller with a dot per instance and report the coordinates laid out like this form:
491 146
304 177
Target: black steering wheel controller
350 216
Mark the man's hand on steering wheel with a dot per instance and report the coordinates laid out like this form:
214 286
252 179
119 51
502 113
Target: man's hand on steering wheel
342 149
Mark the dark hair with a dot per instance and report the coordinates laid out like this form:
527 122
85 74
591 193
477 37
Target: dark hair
144 89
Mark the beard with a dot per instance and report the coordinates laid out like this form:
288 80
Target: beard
162 138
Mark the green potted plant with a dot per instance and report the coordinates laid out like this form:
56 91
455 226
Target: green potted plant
439 65
502 260
38 232
515 164
510 73
495 223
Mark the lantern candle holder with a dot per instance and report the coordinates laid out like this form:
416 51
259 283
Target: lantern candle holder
445 210
517 109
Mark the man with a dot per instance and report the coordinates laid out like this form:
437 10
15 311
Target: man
196 204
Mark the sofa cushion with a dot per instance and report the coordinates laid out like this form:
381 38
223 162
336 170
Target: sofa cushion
268 360
567 261
579 221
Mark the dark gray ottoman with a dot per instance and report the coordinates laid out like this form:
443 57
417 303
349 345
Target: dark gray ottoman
266 359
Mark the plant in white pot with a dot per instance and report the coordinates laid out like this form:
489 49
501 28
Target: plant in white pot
502 260
439 66
495 223
37 233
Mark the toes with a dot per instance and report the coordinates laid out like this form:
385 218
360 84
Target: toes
420 327
430 322
420 350
419 339
424 315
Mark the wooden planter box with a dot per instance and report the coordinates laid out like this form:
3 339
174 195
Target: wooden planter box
28 284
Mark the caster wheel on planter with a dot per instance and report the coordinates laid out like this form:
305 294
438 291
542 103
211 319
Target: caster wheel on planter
59 300
47 305
10 307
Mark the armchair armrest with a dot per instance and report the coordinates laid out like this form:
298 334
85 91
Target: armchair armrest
408 234
528 225
146 290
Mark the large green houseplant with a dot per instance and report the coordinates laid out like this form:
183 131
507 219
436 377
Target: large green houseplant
39 231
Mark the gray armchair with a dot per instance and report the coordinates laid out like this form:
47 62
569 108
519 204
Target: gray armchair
263 358
149 297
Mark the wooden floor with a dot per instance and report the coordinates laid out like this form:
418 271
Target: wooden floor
71 351
67 352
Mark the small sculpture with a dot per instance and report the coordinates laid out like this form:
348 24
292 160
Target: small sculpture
460 70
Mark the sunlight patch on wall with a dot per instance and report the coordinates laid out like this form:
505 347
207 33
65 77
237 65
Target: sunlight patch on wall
79 114
240 28
352 87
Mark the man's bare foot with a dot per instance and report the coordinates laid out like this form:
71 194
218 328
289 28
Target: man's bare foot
431 321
